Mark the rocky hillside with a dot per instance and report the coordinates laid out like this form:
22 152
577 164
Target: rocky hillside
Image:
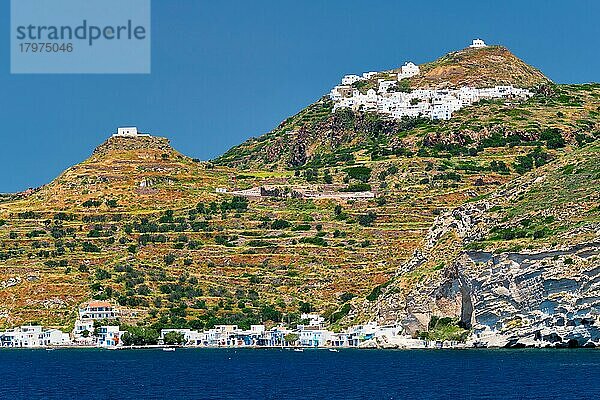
478 67
138 172
520 267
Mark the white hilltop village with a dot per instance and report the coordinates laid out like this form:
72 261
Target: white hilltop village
391 100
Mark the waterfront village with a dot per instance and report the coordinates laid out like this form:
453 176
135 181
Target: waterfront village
94 328
394 98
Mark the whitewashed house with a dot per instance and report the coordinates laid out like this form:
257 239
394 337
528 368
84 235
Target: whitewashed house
441 111
88 313
350 79
222 335
365 331
251 337
366 102
369 75
313 319
30 336
477 43
55 337
388 331
23 336
33 336
7 338
384 86
97 310
109 336
407 70
314 337
335 94
274 337
344 339
83 326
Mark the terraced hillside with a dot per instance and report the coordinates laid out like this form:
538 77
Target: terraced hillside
359 218
141 224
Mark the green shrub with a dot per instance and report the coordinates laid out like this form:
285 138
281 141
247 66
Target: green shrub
301 227
92 203
367 219
169 259
90 247
139 336
553 138
341 313
375 293
280 224
499 166
173 338
317 241
444 328
360 173
535 158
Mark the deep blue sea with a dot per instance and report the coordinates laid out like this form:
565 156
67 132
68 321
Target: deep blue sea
314 374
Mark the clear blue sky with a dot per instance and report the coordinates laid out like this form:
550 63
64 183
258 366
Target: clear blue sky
222 73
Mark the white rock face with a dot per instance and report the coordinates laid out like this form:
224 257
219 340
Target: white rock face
547 298
14 281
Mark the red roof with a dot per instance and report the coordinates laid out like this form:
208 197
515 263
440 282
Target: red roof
97 304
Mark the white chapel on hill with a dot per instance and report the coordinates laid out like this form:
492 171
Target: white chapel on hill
131 132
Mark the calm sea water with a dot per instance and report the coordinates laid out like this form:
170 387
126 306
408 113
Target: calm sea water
313 374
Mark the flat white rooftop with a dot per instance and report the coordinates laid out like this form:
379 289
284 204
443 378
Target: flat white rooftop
128 131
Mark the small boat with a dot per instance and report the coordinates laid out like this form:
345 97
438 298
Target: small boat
334 350
299 350
168 349
50 349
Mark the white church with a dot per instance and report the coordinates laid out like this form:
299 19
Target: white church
478 43
129 132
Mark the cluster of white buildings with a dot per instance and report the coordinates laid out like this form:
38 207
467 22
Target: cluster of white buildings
33 336
389 99
310 334
86 331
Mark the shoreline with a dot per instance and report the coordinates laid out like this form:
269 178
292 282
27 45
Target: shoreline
290 348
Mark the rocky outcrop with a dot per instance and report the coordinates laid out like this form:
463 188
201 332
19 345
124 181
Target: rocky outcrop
133 144
545 298
478 67
534 298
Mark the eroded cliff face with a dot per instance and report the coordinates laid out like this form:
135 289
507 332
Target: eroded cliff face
542 297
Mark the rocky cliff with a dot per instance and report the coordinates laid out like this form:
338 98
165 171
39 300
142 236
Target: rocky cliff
543 294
